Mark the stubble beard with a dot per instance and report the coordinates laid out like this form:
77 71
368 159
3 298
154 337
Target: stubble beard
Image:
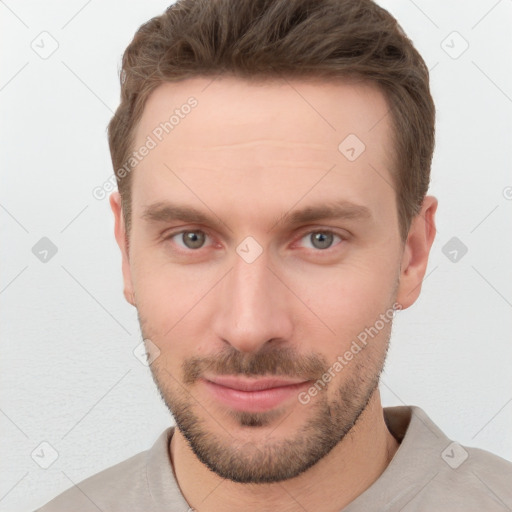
328 420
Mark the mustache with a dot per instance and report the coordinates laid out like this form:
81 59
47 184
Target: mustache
283 362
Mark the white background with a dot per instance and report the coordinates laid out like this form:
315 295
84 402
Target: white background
67 372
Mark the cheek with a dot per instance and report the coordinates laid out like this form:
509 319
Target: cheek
171 302
164 289
345 299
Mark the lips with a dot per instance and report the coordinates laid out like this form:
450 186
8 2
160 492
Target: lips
247 384
252 394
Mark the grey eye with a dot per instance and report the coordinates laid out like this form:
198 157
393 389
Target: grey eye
193 239
321 239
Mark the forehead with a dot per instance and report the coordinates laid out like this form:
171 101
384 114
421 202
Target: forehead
253 137
326 111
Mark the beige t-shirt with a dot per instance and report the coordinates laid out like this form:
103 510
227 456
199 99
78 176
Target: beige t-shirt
428 473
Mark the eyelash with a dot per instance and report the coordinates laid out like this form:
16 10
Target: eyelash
170 236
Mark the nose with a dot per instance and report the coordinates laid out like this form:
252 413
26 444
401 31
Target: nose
254 308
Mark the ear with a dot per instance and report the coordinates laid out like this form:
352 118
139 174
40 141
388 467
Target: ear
416 251
122 242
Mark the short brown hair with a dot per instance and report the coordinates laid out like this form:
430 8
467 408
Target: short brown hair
266 39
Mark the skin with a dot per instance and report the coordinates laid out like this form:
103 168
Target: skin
249 154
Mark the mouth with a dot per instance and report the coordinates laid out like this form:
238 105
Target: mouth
252 394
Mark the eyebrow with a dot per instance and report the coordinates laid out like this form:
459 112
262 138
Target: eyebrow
341 209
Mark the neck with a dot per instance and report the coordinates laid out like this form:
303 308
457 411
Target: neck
343 474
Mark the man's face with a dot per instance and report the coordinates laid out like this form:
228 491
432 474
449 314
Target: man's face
252 291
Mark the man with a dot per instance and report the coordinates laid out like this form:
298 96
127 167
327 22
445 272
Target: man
273 160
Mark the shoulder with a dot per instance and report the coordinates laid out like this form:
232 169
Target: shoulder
111 489
477 477
466 478
432 472
137 483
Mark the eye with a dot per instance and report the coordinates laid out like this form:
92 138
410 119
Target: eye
195 239
191 239
321 239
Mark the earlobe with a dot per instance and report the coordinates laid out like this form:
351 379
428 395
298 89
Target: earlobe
416 252
122 242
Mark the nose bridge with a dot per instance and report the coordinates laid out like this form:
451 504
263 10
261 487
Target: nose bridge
253 307
250 284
